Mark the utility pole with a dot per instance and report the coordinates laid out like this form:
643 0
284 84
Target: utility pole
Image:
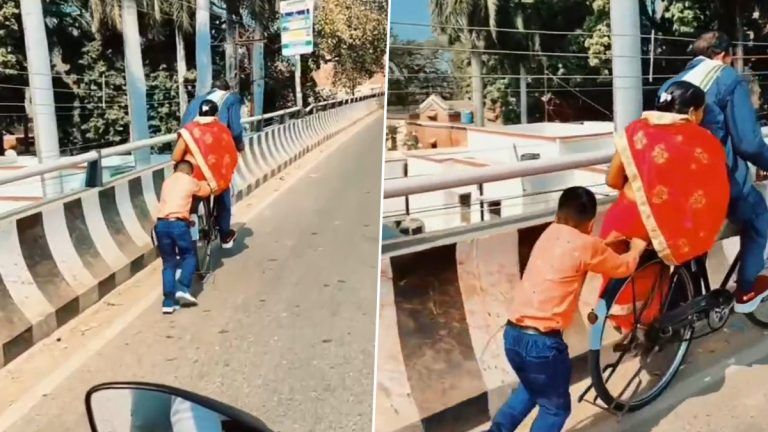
257 71
627 62
297 75
523 77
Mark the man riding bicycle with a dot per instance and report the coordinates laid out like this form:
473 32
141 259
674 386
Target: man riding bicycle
207 143
731 117
228 104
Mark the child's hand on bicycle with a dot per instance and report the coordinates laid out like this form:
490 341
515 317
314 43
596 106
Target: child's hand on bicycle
637 245
614 238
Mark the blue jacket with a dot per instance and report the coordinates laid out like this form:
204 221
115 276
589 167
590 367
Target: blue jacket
229 114
731 117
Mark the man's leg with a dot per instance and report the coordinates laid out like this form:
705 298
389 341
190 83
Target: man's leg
223 203
750 213
187 263
166 247
520 402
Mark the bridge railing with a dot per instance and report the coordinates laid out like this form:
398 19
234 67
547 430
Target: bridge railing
68 252
91 169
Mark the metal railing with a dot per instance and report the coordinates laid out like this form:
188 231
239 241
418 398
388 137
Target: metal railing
95 157
414 185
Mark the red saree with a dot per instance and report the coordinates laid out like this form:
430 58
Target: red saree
212 150
677 171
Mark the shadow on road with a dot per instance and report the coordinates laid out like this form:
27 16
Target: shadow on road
703 373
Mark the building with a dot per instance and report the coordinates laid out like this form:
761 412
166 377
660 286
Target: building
486 147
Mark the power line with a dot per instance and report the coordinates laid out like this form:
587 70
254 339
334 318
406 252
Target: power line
449 75
514 30
562 33
529 89
538 54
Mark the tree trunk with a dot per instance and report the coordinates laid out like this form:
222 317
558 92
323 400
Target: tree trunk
41 89
230 51
476 59
181 70
40 81
257 72
203 46
134 79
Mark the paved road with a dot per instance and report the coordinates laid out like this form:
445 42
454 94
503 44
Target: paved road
723 386
285 331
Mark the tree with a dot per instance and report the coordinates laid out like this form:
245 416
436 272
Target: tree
123 15
352 34
419 73
181 12
464 21
11 59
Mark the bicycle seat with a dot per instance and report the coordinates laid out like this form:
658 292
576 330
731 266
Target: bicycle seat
728 231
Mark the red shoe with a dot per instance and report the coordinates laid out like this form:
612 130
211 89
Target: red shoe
748 302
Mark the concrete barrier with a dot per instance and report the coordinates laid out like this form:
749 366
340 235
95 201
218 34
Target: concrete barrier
443 299
64 255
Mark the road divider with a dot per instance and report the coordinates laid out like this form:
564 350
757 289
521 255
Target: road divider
65 254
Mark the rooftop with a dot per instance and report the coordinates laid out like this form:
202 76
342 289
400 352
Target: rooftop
561 130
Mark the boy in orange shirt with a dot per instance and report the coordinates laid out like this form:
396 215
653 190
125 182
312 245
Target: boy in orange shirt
174 241
533 337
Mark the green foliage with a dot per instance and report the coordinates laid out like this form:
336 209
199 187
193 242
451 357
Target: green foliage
11 59
428 71
352 34
103 111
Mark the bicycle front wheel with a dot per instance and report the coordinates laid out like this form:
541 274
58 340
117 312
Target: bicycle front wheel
629 369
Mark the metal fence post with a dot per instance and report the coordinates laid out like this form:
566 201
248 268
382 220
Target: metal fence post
94 176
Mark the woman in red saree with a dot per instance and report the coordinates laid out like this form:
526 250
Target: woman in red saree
674 192
208 144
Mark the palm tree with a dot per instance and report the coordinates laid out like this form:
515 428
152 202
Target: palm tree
460 21
203 46
40 80
181 12
123 15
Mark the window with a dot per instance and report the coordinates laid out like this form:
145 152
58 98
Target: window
465 201
494 209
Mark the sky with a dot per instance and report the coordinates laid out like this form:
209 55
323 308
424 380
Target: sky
411 11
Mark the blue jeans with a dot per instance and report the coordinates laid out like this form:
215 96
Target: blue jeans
177 250
543 366
223 203
750 214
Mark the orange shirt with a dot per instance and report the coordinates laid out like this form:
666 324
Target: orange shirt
177 193
552 282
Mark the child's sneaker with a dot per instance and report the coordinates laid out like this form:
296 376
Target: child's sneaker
169 307
185 298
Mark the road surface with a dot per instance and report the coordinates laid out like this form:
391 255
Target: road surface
723 386
285 330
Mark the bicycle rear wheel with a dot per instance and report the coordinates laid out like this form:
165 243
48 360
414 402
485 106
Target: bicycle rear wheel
628 369
202 210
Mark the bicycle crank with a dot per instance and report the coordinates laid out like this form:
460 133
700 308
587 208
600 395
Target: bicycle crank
714 307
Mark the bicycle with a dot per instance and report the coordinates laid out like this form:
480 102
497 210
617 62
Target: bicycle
203 218
686 302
